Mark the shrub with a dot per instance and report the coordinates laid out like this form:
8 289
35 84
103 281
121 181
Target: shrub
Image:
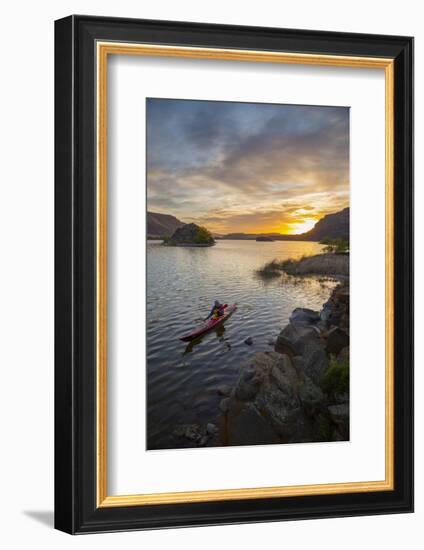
337 246
270 269
203 236
336 379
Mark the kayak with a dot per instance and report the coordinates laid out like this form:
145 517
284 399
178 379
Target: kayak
209 325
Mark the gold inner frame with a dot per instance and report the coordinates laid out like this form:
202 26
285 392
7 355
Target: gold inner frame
104 49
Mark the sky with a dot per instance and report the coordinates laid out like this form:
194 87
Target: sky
246 167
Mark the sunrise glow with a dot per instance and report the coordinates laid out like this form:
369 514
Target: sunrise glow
245 167
302 226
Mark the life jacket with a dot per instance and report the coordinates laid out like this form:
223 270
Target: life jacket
218 311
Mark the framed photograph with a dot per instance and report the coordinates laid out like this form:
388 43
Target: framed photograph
234 274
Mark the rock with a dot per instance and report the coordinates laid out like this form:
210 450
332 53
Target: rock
247 389
191 234
224 390
311 396
341 398
299 364
276 395
211 429
224 404
249 341
343 355
203 441
304 316
335 311
337 339
284 345
342 294
249 427
315 360
192 432
295 337
308 346
337 436
248 371
344 321
179 431
339 412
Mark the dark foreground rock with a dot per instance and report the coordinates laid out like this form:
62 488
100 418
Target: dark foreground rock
298 392
277 393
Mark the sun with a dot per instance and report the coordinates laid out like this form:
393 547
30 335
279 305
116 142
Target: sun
302 226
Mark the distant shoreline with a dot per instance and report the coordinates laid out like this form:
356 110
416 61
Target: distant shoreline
217 239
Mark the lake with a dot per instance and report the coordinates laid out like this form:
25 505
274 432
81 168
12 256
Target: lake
182 283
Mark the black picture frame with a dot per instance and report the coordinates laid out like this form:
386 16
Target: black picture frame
76 510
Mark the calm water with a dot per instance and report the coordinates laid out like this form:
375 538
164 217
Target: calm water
183 379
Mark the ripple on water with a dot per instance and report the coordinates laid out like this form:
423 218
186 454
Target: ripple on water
183 379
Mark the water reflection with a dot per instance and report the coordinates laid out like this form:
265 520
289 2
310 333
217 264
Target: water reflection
183 380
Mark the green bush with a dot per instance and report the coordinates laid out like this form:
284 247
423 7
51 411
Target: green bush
203 236
336 379
336 246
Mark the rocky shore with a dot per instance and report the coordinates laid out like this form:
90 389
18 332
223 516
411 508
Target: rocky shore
296 393
327 264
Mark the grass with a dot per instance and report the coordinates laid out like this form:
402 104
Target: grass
270 270
329 264
336 246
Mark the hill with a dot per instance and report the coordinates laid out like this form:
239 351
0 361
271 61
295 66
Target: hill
332 226
162 225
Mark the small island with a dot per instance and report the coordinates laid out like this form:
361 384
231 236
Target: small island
190 234
264 239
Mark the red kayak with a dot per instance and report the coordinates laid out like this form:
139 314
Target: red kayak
209 325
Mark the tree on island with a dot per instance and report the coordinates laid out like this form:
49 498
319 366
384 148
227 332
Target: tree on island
191 235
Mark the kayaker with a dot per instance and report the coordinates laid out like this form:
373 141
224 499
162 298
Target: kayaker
217 311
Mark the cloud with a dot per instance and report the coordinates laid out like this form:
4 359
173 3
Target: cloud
239 165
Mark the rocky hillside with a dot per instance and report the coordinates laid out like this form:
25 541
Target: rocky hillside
332 226
161 225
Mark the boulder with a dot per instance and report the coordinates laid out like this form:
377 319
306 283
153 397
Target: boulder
249 341
224 404
339 415
311 396
249 427
339 412
284 345
335 311
342 294
315 360
270 382
343 355
337 339
248 382
211 429
293 338
224 390
304 317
